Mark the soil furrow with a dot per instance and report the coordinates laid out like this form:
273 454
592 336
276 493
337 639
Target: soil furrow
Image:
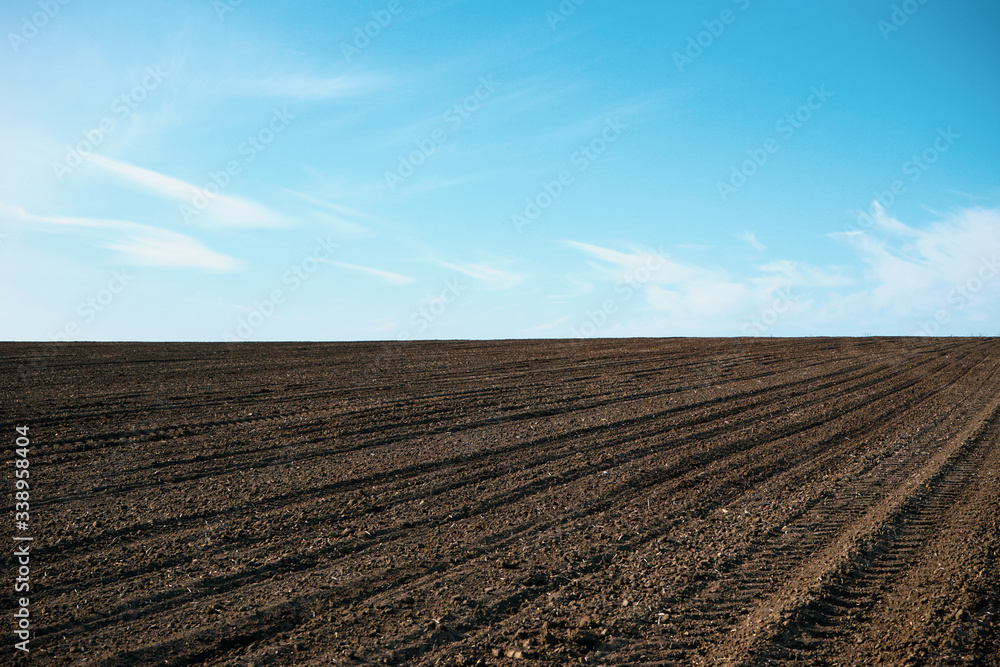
679 501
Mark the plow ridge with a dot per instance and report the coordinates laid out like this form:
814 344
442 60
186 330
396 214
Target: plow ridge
873 555
670 502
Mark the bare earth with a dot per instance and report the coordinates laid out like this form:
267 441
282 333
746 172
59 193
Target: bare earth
680 501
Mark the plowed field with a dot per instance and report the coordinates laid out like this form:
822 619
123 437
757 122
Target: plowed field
709 501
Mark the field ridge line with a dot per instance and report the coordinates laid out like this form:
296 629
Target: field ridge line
809 582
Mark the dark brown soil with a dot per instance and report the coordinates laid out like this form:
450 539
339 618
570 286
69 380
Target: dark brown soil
743 502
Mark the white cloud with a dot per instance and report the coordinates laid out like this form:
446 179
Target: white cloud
604 254
301 86
751 239
685 292
658 264
700 300
174 251
335 221
903 277
142 244
323 203
387 276
379 326
344 228
493 279
911 271
222 209
580 287
789 273
545 327
424 185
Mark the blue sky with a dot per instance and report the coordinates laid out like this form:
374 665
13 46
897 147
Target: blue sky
446 169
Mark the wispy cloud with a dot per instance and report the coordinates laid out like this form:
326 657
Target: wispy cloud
226 210
333 216
302 86
335 223
168 249
323 203
142 244
387 276
791 273
380 326
424 185
615 264
903 274
579 285
697 301
548 326
605 254
689 294
751 239
492 279
910 270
